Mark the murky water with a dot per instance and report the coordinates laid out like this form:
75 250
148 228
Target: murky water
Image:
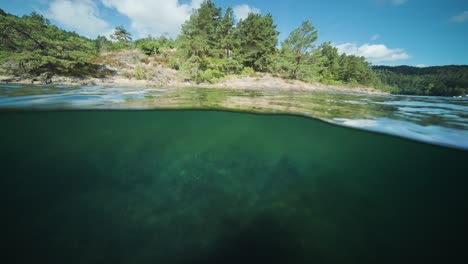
437 120
219 187
192 186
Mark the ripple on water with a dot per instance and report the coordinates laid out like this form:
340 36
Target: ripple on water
439 120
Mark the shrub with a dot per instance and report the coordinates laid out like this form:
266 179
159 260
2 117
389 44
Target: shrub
191 68
119 45
127 75
247 71
139 73
149 47
210 76
174 63
232 66
145 60
331 82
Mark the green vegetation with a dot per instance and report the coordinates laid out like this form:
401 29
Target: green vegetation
31 45
210 47
439 80
121 34
153 46
297 49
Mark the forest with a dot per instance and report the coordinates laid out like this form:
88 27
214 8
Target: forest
448 80
211 46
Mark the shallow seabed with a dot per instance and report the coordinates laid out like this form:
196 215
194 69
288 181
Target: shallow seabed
221 187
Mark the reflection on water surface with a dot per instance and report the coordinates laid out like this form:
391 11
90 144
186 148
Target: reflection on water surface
438 120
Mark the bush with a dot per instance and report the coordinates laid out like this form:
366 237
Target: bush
331 82
191 68
145 60
127 75
174 63
227 66
247 71
210 76
232 66
279 66
139 73
212 63
119 45
149 47
206 69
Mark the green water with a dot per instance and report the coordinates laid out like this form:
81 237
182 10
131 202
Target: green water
220 187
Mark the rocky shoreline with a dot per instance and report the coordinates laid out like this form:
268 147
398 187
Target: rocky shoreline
254 82
131 68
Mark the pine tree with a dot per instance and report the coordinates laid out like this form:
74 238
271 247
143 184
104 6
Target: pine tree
258 39
299 45
198 37
121 34
226 35
32 46
102 44
331 63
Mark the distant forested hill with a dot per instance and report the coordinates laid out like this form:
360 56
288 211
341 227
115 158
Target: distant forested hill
437 80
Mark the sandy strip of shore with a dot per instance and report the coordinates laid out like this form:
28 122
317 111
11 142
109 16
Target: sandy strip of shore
261 82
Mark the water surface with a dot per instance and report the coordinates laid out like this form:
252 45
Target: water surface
436 120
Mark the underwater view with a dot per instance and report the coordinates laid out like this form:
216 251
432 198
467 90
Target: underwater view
187 186
243 131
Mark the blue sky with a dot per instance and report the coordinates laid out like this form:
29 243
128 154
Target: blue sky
386 32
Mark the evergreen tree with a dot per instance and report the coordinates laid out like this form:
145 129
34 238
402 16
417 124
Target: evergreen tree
226 35
31 45
355 70
121 34
258 39
153 46
331 62
299 46
102 44
149 45
198 37
437 80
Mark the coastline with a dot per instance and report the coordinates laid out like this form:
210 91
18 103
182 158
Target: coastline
253 82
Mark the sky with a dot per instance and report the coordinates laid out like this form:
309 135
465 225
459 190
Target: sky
386 32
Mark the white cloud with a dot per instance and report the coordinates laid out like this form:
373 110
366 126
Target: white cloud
79 15
160 17
460 18
375 37
155 17
421 65
373 53
242 11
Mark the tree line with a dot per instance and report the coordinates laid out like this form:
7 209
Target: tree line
451 80
212 45
31 45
